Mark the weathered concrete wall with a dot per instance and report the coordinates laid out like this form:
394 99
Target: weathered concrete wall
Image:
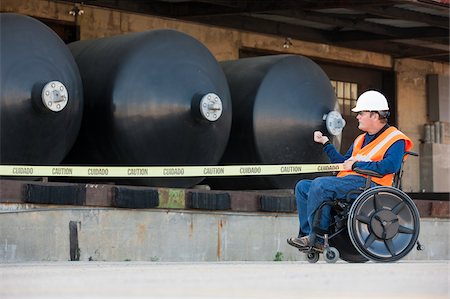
412 109
435 167
38 8
41 233
225 44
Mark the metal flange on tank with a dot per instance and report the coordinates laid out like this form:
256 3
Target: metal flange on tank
334 123
41 98
278 102
154 98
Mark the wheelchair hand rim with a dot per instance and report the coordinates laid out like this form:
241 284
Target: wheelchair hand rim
366 232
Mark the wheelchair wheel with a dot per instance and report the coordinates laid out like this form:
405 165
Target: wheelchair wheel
383 224
331 255
312 257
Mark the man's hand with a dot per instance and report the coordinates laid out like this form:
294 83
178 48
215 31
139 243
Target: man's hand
319 138
349 163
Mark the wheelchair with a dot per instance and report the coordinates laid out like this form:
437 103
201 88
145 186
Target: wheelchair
382 224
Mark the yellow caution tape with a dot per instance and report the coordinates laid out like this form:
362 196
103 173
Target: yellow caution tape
164 171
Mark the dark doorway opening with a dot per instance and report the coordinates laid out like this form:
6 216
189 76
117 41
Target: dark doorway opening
67 31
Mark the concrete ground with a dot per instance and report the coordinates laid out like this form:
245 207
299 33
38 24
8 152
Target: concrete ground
405 279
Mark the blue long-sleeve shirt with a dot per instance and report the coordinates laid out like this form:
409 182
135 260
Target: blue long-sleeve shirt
391 162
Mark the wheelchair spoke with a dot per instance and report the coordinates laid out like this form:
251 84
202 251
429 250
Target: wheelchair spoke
405 230
363 219
390 246
376 203
398 207
370 239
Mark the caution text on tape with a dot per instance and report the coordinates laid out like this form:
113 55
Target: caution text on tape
165 171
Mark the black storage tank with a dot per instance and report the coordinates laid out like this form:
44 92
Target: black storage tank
278 102
41 97
154 98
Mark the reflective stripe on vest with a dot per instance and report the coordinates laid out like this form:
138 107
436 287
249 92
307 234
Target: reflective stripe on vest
382 143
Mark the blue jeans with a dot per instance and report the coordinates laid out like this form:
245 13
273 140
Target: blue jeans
309 194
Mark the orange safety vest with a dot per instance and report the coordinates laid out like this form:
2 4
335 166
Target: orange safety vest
375 150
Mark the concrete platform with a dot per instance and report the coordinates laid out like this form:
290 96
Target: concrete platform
404 279
61 233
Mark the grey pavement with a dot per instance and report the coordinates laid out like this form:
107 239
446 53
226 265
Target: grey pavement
404 279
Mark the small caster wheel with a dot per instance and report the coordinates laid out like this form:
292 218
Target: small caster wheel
331 255
312 257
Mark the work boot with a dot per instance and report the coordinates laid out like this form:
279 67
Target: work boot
301 234
303 243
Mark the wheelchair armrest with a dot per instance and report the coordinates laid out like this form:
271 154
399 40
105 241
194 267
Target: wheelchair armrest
368 172
411 154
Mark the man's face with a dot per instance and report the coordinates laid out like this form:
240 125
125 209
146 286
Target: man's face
366 120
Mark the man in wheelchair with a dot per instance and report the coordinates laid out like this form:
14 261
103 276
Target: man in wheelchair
381 150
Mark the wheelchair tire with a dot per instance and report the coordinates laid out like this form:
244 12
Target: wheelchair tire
383 224
331 255
312 257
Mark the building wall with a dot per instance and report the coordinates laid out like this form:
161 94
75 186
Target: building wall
224 44
412 109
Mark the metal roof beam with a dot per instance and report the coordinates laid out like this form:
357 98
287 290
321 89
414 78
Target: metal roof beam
405 14
248 23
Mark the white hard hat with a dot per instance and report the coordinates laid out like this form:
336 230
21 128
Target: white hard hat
371 100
